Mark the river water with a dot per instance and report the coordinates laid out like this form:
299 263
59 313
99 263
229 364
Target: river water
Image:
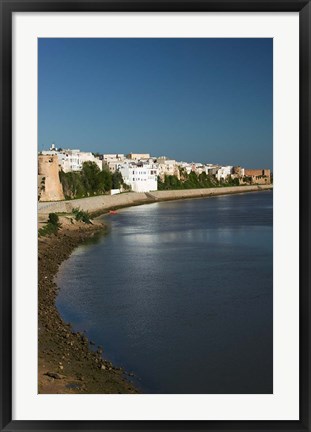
180 293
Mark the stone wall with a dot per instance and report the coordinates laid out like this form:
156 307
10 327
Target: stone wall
103 203
196 193
257 172
49 185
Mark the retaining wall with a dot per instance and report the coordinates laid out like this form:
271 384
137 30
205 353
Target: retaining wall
106 202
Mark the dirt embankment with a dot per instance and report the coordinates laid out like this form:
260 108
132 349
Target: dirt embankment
67 361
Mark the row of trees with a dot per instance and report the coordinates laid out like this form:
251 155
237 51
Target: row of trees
193 181
90 181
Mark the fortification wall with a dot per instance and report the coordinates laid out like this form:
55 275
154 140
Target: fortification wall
49 185
257 172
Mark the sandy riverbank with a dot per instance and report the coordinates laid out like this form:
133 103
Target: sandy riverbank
67 362
103 203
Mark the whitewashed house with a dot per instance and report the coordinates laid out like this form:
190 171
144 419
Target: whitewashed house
72 159
223 172
140 176
112 161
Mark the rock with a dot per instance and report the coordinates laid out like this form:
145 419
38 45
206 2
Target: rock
103 367
55 375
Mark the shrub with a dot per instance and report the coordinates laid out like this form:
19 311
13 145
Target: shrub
53 219
51 227
81 215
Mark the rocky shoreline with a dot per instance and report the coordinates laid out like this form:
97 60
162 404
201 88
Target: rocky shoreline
67 361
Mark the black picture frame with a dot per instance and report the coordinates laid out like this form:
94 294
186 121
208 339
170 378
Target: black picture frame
7 9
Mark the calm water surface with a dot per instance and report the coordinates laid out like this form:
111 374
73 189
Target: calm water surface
180 293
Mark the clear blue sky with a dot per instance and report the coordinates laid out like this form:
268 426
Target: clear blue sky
203 100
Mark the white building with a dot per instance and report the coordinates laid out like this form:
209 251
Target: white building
186 166
142 177
198 168
72 159
112 161
209 168
224 172
113 156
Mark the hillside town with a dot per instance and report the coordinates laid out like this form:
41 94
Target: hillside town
140 172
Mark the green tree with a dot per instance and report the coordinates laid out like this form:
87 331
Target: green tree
53 219
91 177
117 180
105 181
89 181
187 181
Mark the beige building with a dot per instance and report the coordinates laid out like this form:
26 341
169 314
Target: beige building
167 167
112 161
138 156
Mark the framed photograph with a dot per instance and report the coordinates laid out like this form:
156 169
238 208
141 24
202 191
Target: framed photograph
155 215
